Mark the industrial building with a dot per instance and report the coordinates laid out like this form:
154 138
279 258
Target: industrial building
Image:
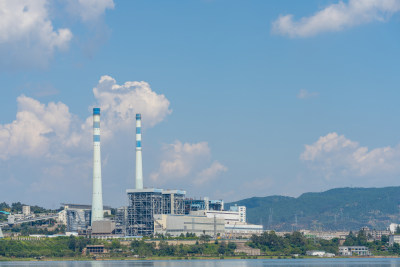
145 203
158 211
66 206
78 220
151 210
202 204
176 225
77 217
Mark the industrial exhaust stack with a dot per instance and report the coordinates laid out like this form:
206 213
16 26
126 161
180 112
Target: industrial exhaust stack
139 170
97 200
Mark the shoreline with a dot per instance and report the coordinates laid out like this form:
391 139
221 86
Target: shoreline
157 258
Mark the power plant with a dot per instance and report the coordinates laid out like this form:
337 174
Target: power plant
151 210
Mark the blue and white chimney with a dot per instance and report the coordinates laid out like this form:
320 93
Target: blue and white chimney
139 170
97 199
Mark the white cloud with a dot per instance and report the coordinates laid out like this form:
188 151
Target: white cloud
89 10
187 162
27 35
35 129
180 159
334 154
120 103
209 173
336 17
304 94
45 130
54 146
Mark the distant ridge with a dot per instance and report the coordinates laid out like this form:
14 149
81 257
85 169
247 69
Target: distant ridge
335 209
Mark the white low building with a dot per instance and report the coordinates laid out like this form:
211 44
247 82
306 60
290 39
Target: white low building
393 227
394 239
354 251
176 225
235 221
242 229
318 253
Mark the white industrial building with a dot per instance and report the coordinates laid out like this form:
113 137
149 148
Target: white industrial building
243 229
176 225
234 220
229 223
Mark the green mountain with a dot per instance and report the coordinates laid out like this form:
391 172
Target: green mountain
335 209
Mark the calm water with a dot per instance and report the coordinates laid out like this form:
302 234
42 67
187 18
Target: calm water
215 263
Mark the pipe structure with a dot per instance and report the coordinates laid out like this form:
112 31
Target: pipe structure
97 199
139 170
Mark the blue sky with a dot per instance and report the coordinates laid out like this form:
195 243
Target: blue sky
239 98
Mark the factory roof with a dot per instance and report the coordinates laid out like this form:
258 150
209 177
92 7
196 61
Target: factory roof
144 190
177 192
156 190
82 206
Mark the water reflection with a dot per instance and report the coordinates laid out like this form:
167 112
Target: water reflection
217 263
120 264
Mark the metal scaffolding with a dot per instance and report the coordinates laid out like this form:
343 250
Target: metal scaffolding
121 216
145 203
78 219
173 202
179 203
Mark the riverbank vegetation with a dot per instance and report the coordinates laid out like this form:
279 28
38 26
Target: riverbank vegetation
185 247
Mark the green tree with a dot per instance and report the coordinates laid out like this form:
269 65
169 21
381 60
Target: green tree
115 244
221 249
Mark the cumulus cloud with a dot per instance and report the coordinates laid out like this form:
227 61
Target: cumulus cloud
55 145
89 10
336 17
304 94
334 154
27 35
210 173
181 158
34 128
184 161
120 103
44 130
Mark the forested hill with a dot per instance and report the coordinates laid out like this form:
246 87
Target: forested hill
335 209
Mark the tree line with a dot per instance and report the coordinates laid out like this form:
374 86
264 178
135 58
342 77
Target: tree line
269 243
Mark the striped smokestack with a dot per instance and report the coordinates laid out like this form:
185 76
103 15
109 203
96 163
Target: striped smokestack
97 200
139 171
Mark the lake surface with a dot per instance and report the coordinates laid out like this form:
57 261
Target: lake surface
214 263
